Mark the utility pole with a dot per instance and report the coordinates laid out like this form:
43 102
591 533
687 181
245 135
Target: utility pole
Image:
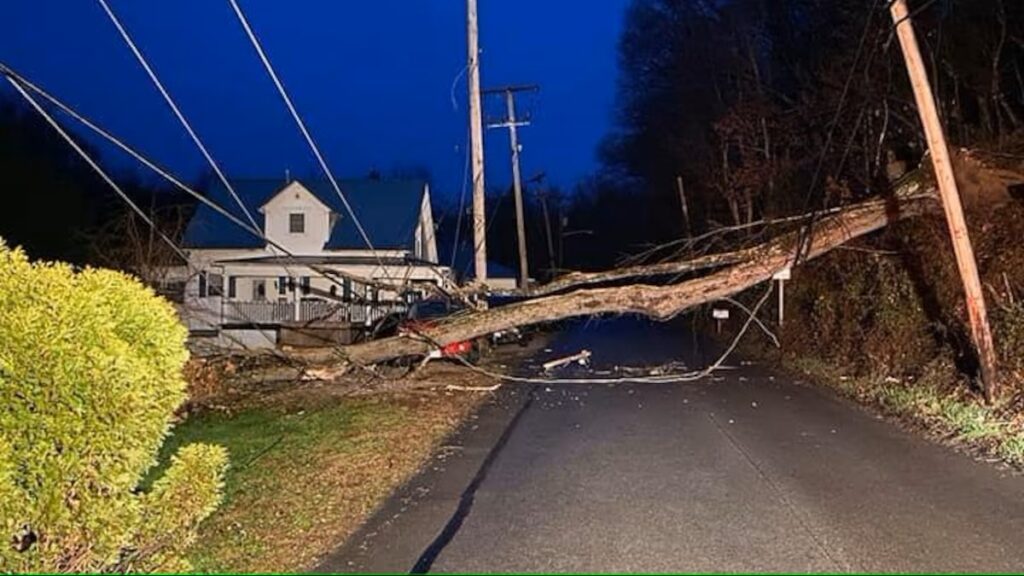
547 228
686 208
476 137
950 194
543 195
513 124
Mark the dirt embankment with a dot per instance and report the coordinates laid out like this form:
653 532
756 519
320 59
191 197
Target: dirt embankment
884 319
893 303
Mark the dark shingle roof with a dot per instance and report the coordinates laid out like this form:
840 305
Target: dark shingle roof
387 209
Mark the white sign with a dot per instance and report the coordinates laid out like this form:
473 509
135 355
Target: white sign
783 274
720 314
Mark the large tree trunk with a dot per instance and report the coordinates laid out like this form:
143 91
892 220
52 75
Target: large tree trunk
578 279
748 268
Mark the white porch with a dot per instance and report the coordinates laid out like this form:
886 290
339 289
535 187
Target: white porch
306 312
271 292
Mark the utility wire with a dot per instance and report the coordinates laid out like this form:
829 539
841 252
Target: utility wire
804 241
21 80
195 138
662 379
462 205
302 127
465 170
106 178
177 111
117 189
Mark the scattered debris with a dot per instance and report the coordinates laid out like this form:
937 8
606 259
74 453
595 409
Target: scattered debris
670 368
583 358
458 388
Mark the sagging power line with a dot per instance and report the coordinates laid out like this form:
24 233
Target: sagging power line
305 131
177 111
331 275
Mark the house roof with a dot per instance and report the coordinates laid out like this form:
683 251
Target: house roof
328 261
388 210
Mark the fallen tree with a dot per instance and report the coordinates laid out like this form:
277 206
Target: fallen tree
737 272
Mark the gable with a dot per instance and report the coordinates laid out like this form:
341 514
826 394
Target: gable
292 193
389 211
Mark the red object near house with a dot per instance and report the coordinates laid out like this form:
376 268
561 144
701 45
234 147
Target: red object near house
428 313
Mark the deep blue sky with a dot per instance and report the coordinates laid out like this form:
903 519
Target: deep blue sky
372 78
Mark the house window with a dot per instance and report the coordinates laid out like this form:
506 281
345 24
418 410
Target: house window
282 285
202 284
346 288
334 291
297 223
215 285
305 285
259 290
232 287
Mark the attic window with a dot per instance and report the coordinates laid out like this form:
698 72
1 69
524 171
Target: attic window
297 223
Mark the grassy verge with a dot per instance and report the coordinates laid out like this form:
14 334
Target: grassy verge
304 475
931 403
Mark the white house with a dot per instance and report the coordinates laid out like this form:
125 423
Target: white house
314 267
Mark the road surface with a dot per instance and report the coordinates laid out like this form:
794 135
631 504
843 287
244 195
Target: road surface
748 471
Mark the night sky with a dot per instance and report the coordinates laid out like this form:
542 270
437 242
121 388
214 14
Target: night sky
372 78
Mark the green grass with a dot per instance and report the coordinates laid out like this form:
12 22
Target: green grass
268 450
927 402
300 480
259 433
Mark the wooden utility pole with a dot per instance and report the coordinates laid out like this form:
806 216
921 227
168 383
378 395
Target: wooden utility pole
513 124
547 228
686 208
476 137
950 194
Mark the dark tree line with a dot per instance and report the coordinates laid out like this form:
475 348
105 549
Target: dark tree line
49 194
58 208
772 107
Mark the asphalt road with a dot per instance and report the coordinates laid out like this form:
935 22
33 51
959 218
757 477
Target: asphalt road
747 471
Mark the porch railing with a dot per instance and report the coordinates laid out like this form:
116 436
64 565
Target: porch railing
311 311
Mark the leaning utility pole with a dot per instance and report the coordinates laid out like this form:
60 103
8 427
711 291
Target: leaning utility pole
950 194
513 124
476 137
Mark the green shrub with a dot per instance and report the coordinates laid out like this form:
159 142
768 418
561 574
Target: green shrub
90 377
